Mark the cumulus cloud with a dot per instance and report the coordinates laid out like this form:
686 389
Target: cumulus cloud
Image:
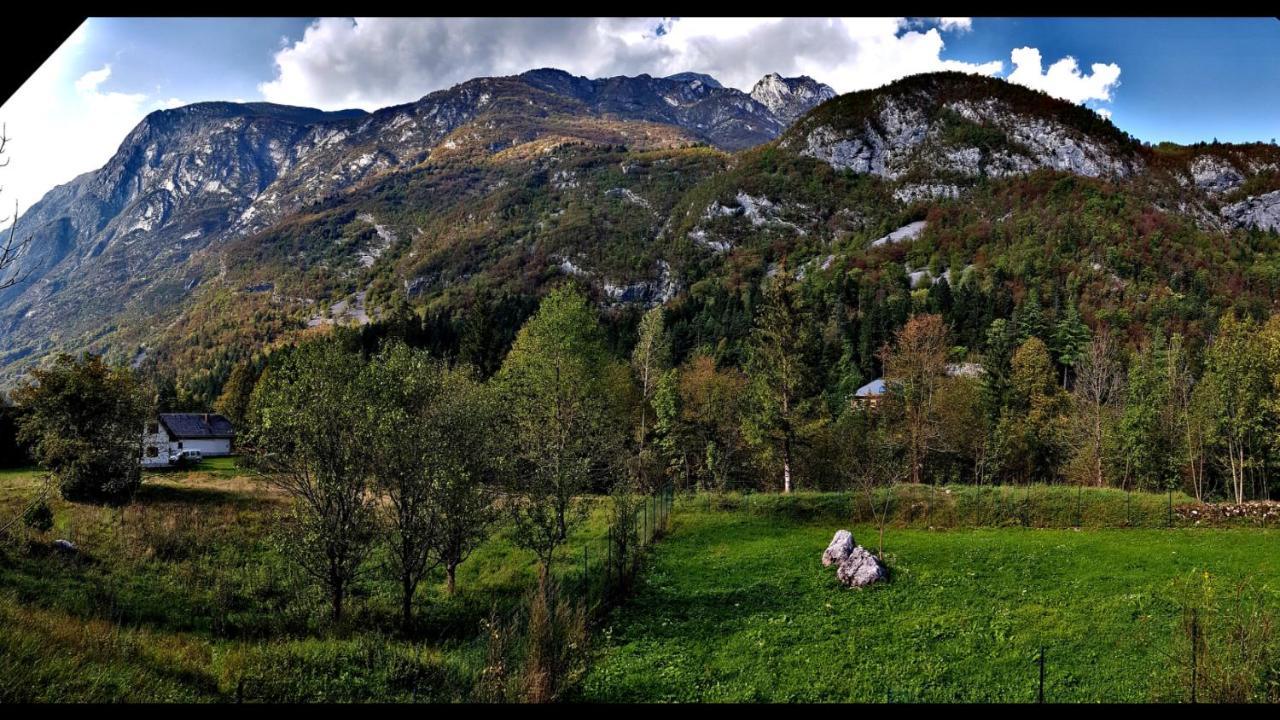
1063 78
374 62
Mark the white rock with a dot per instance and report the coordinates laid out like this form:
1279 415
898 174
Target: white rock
860 569
839 549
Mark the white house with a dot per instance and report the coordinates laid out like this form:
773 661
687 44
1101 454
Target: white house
171 433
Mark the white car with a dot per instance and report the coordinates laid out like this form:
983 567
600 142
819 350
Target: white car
185 457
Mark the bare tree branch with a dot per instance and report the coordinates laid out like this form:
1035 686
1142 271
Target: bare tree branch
13 246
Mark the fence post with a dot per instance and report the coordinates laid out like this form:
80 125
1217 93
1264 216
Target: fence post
1026 508
608 566
1195 640
1079 505
1169 522
586 577
1040 697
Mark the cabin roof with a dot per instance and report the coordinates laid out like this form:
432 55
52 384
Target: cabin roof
197 425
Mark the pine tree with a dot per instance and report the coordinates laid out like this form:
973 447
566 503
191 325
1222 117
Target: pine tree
1070 338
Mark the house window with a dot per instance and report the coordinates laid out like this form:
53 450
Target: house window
179 444
153 451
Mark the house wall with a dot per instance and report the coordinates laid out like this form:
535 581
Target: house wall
166 446
208 447
158 440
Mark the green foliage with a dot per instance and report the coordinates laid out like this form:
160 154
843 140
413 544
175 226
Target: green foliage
738 608
311 436
559 390
84 420
38 516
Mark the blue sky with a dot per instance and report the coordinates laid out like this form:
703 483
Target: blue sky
1173 79
1182 79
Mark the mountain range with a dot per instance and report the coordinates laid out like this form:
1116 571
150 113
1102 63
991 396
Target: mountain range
218 229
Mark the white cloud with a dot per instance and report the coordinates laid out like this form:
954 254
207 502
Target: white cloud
963 24
1105 113
1063 78
63 123
374 62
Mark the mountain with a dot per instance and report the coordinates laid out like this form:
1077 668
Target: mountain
219 229
789 98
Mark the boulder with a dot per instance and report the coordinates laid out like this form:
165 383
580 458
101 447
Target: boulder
860 569
841 545
64 545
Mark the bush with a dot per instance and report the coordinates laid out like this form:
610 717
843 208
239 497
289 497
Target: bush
39 516
84 420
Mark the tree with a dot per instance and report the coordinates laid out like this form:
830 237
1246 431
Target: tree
1189 406
469 462
650 358
236 392
564 420
432 454
1098 386
313 437
915 367
870 466
12 247
779 375
401 386
699 427
85 421
1146 440
1237 383
1070 339
1029 431
1028 318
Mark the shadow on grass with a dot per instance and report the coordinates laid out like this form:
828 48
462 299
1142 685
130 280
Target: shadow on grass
155 493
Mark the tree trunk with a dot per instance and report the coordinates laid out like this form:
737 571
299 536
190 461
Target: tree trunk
451 570
406 603
786 465
336 599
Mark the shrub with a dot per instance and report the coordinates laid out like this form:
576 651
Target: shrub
1226 649
38 516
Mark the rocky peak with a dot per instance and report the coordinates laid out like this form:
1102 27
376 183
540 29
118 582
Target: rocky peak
692 77
789 98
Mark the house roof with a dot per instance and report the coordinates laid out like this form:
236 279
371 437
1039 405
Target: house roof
871 389
197 425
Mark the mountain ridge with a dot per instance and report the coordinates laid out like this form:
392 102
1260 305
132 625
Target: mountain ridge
629 183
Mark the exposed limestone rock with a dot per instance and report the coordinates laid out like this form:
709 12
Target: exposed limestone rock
1215 175
1261 212
907 232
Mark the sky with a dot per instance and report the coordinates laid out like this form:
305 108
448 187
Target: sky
1181 80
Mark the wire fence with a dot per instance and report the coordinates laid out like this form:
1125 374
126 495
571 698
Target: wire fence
960 506
595 577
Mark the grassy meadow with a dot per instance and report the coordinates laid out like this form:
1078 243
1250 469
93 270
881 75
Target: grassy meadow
736 607
184 596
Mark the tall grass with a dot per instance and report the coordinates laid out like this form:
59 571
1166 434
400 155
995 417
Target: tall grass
965 506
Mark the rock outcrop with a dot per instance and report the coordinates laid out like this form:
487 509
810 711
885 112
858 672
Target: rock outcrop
1261 212
789 98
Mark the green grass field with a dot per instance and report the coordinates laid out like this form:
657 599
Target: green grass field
737 607
184 595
